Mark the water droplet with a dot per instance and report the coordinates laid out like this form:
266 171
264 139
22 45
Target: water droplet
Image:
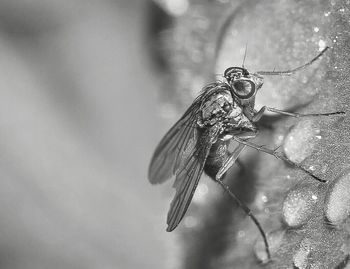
300 141
321 45
299 204
327 14
300 258
274 238
337 206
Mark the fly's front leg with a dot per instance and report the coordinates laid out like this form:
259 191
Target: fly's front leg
257 116
278 155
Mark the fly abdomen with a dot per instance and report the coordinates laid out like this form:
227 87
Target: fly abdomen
216 158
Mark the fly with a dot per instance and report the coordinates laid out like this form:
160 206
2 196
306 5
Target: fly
198 142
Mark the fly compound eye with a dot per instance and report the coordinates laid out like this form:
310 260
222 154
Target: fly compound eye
243 88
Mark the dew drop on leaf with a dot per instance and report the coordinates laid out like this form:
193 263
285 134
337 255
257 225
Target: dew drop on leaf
299 204
300 258
337 205
300 142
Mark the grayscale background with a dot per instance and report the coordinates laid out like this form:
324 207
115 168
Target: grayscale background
78 124
88 88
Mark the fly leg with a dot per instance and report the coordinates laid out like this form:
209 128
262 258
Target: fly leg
234 156
229 162
249 213
260 113
278 155
218 178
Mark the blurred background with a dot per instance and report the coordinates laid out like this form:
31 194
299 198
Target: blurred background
79 122
88 88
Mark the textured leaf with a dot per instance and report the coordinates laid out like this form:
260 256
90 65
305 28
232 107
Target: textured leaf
307 221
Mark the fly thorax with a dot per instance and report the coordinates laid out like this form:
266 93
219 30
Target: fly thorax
216 109
237 120
247 123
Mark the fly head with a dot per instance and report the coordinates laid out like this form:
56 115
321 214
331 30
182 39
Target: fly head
243 84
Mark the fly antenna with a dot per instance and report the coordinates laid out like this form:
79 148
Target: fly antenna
292 71
245 54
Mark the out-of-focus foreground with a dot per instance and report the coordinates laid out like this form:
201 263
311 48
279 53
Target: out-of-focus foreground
77 126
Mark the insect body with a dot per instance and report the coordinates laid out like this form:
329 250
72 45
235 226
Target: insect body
208 125
223 112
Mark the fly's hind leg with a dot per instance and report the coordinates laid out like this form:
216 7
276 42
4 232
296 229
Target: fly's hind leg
248 212
227 164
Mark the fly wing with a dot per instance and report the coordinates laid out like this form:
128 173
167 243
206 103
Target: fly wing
189 174
169 152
